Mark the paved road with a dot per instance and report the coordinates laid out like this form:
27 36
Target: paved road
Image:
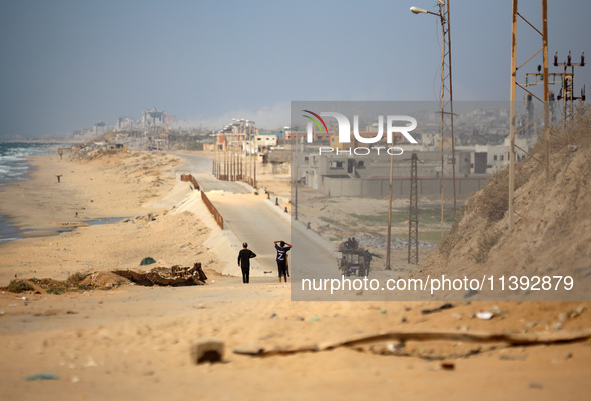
252 221
200 168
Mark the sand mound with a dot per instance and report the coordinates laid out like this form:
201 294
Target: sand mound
552 233
103 280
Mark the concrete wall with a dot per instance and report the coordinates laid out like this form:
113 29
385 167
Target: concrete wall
400 187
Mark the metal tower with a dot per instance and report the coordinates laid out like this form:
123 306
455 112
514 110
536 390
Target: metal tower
413 218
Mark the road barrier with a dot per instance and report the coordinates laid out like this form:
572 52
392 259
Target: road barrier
191 179
216 215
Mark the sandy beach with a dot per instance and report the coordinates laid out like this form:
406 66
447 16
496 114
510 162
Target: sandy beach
134 343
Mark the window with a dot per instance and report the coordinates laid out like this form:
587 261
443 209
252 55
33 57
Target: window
336 164
502 157
495 158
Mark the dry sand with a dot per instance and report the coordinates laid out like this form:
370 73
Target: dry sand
134 342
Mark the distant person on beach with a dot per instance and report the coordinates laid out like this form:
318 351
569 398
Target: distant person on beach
282 249
244 257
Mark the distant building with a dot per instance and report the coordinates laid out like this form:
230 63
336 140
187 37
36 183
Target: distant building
100 128
125 123
116 147
153 119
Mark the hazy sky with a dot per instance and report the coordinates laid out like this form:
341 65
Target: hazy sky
67 65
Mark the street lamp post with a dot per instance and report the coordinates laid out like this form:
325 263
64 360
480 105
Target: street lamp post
444 17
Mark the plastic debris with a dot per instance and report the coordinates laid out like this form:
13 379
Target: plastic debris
147 261
484 315
43 376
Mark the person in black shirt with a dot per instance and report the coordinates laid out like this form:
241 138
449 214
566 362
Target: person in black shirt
244 261
282 249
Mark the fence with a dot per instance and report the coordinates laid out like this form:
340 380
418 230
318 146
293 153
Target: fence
234 168
191 179
216 215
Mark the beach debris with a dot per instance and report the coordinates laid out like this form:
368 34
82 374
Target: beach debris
175 276
496 340
439 309
565 316
147 261
42 376
207 350
484 315
448 365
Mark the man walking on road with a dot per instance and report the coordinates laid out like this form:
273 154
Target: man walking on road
244 261
282 249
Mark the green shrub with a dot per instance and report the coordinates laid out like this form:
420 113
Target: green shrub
18 286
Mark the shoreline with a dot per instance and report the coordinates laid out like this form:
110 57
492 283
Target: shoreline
44 203
56 220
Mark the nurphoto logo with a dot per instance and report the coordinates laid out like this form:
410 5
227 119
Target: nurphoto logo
394 123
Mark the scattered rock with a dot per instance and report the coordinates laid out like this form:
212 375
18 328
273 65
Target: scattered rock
439 309
207 350
505 357
448 365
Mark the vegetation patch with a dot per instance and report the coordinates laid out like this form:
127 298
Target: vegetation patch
18 286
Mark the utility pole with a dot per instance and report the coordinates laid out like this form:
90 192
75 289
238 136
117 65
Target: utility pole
566 93
546 90
514 84
413 214
388 267
296 176
446 99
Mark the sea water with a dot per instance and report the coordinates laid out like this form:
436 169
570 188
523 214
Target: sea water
14 166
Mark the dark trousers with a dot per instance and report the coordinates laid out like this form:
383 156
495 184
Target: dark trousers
245 274
281 268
